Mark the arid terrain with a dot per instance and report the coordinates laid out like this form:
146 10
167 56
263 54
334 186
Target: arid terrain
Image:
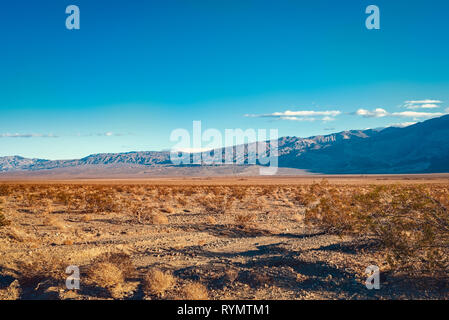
285 237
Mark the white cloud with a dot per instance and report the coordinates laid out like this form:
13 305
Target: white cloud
377 113
327 119
422 104
415 114
27 135
297 118
303 115
423 101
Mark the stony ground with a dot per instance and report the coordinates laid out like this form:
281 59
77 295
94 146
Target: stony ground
254 247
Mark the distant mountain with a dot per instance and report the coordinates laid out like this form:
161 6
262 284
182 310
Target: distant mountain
420 148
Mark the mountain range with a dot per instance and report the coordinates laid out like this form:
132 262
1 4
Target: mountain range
419 148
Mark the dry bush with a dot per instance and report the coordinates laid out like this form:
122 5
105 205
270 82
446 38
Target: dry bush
158 282
259 279
3 221
19 235
107 275
5 190
217 204
54 222
239 193
195 291
141 214
182 201
41 268
245 221
12 292
100 203
158 218
410 222
109 271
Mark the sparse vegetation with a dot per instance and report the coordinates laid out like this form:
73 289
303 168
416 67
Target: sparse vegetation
195 291
277 241
158 282
3 221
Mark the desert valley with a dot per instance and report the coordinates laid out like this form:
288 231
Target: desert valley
226 238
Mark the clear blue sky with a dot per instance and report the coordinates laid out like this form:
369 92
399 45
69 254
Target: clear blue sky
138 69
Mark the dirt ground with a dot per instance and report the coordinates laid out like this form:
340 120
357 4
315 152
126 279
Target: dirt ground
178 238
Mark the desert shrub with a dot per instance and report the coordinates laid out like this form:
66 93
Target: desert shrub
55 222
141 214
158 218
5 190
100 202
195 291
245 221
410 222
158 282
181 201
239 193
108 276
3 221
110 271
41 268
217 204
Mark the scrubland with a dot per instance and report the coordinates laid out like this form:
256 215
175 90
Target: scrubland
233 241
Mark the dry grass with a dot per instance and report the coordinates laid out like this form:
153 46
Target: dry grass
45 228
158 218
195 291
3 221
158 282
55 222
109 271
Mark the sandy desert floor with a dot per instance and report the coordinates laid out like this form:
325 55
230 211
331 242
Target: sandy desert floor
240 238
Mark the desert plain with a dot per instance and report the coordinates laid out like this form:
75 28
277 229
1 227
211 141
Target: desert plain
289 237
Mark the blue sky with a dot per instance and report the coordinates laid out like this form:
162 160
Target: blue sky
136 70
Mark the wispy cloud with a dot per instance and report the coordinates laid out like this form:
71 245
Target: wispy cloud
302 115
423 101
101 134
379 113
415 114
376 113
422 104
27 135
